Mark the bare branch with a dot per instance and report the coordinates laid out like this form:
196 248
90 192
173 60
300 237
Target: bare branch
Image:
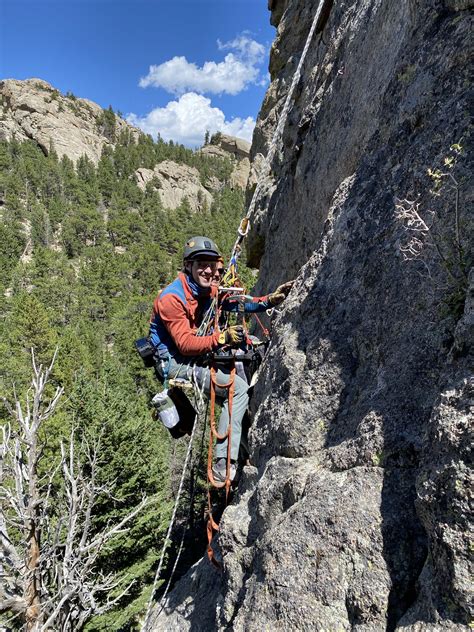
50 560
421 233
7 405
15 604
54 614
118 528
8 552
111 602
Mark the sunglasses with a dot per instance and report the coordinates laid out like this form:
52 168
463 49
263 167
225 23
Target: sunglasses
203 265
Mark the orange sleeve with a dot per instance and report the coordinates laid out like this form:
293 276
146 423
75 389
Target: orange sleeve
173 315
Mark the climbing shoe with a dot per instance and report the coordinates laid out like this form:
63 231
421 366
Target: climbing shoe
219 470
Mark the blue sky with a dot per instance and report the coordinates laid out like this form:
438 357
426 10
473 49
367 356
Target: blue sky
177 67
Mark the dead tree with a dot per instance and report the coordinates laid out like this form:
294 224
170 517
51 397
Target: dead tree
49 551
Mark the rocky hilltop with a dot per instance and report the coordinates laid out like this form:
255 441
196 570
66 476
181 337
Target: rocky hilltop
175 182
239 151
72 126
356 512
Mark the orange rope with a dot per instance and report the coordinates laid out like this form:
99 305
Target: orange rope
266 333
212 525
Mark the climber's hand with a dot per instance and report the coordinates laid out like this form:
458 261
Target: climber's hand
232 336
279 295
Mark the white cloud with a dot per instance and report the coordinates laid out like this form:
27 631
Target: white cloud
187 119
247 47
231 76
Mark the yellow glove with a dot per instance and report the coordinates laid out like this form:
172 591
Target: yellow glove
232 336
279 295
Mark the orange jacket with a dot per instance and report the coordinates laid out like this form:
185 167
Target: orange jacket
176 316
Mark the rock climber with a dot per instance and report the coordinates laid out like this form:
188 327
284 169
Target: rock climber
181 353
219 272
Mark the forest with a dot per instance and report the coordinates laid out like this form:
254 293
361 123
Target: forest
84 253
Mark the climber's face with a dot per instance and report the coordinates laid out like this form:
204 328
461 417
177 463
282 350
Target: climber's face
202 272
218 274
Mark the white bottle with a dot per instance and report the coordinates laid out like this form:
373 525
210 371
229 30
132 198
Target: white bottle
166 409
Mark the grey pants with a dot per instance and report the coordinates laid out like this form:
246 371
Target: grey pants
239 402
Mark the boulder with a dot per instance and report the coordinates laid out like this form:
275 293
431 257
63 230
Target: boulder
238 147
214 151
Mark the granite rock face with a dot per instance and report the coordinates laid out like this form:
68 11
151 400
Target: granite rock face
34 109
240 174
174 183
357 511
238 151
237 147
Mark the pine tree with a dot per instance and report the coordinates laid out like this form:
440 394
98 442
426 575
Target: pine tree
41 233
81 292
28 326
106 175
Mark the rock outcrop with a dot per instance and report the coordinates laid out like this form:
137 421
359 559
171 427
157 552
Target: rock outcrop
214 151
240 174
174 183
235 149
356 514
224 145
34 109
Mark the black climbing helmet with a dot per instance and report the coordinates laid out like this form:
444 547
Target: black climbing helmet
200 248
